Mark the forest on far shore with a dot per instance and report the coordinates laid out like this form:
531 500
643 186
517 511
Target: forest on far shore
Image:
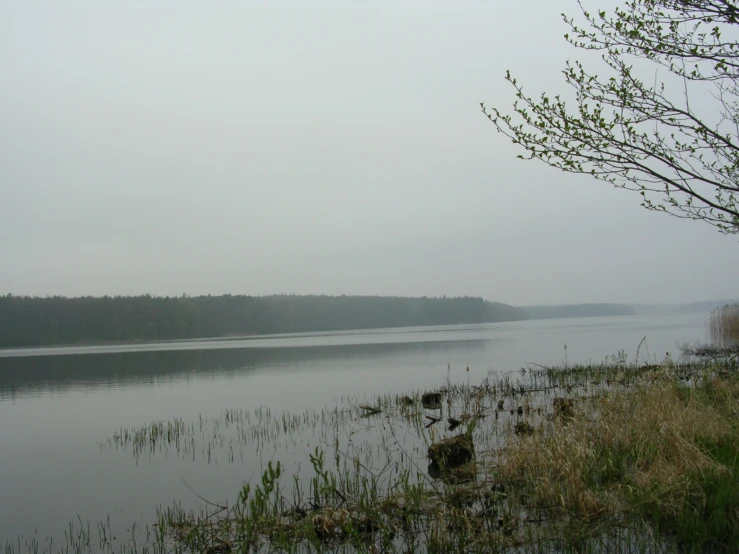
37 321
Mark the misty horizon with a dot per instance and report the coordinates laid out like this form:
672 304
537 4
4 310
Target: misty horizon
686 302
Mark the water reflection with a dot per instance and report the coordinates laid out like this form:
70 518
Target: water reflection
374 357
34 375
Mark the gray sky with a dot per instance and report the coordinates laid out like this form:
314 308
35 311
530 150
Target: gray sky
309 147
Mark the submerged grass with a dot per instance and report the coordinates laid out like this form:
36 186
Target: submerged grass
618 457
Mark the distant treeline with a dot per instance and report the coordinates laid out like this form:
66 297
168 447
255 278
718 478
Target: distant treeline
704 307
577 310
34 321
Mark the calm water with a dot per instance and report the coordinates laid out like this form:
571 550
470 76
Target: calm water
57 405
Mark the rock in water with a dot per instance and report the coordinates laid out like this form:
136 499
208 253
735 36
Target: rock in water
431 400
451 453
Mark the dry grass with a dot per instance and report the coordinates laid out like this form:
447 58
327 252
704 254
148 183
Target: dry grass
643 450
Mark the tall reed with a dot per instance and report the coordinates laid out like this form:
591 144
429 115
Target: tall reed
723 325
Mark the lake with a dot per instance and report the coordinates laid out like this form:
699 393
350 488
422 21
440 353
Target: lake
59 407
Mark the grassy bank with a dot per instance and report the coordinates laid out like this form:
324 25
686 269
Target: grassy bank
601 458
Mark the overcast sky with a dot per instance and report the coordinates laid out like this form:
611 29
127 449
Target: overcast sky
309 147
